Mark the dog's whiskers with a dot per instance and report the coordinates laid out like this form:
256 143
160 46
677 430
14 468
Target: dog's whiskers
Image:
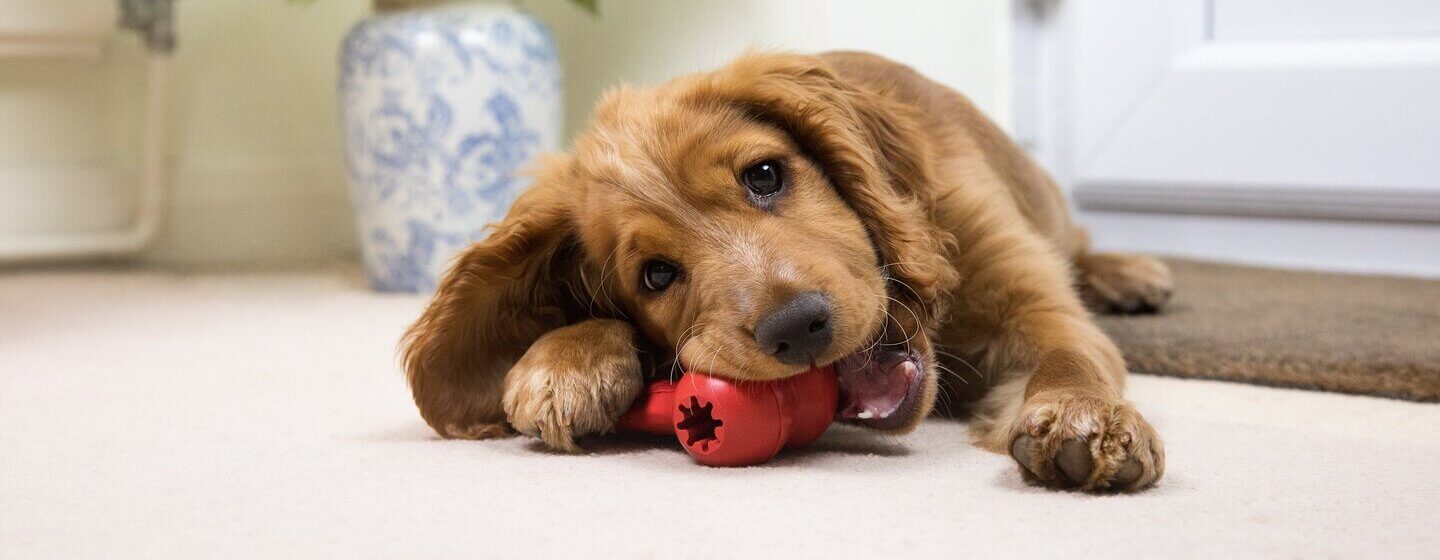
942 369
908 336
596 289
714 355
943 396
897 280
978 376
680 344
605 275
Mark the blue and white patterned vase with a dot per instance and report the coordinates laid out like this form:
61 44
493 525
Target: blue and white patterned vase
443 110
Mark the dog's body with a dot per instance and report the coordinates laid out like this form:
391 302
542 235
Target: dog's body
783 211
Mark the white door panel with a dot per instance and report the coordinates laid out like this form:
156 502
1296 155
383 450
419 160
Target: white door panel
1126 52
1312 19
1161 98
1280 126
1287 116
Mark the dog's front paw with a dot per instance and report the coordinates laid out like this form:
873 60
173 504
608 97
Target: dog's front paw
573 381
1089 443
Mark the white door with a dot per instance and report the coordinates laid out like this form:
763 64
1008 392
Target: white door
1293 132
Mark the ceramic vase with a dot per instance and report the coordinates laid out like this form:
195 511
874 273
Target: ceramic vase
443 110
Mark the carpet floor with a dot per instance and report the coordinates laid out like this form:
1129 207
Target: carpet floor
1368 335
263 416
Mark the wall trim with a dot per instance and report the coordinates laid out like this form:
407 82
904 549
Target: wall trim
1406 249
55 27
1265 201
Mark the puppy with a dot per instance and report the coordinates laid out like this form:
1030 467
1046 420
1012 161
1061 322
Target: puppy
786 211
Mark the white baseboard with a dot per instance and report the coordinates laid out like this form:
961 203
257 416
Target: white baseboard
1411 249
1390 231
1377 204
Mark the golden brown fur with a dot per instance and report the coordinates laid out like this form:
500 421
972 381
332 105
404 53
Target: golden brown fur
927 228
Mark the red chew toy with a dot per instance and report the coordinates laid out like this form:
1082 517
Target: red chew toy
724 423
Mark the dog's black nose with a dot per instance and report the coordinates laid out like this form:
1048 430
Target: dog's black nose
797 331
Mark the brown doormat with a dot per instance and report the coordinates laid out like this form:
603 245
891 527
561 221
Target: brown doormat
1366 335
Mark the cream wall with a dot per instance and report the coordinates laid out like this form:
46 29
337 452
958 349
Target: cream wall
257 174
963 43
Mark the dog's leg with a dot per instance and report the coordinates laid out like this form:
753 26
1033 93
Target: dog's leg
1120 282
573 381
1123 283
1056 399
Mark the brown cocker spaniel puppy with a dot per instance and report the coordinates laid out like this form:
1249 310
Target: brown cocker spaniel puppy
784 211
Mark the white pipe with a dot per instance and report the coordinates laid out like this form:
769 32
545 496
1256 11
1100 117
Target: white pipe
149 209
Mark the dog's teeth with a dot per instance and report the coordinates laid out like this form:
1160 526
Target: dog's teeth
865 415
885 414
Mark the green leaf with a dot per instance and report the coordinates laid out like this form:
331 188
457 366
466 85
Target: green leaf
592 6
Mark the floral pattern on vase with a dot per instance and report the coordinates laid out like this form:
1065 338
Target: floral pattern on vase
442 111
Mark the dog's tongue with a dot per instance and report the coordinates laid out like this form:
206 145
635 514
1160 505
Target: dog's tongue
875 385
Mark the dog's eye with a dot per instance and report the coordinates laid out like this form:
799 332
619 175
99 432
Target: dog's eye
658 275
764 178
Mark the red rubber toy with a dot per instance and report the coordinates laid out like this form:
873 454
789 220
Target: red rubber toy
724 423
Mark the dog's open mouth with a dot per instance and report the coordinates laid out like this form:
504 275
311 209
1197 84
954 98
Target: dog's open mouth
880 388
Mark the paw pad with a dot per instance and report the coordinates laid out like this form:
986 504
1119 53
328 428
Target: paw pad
1055 448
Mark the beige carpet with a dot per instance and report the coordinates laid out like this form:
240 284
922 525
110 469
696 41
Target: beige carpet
262 416
1370 335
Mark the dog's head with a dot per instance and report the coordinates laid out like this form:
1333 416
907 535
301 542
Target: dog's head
750 222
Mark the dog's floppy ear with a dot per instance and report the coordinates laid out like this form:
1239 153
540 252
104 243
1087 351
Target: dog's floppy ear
498 297
872 149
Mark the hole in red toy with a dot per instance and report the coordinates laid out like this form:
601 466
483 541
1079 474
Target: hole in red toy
699 423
